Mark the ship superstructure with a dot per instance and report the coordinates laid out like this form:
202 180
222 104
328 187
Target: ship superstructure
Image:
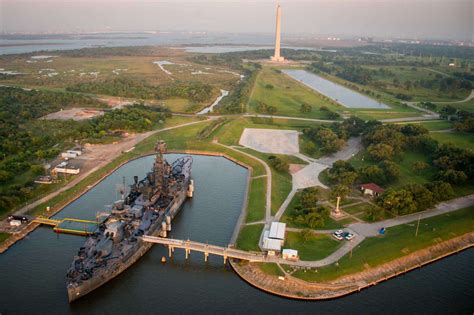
147 209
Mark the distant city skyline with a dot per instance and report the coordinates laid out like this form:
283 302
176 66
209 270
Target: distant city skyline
421 19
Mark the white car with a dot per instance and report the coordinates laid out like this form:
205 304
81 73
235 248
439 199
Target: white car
338 232
337 236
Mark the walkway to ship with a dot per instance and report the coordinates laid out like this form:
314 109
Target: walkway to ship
69 226
188 246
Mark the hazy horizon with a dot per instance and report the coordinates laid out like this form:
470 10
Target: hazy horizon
423 19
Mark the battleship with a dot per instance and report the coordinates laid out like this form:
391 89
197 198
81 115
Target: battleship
147 209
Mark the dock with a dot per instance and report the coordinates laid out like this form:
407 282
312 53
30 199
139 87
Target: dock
69 225
188 246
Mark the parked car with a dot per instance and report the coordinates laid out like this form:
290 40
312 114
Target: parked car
337 236
348 236
20 218
339 232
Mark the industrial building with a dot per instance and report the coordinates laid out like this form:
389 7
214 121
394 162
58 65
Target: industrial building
273 238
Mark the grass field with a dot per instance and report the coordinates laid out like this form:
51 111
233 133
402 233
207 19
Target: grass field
271 269
249 236
287 95
3 237
319 246
256 202
432 125
72 70
458 139
467 106
360 211
397 242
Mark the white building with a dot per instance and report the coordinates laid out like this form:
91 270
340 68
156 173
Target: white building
64 168
274 238
290 254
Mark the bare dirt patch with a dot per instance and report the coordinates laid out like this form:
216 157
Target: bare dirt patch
74 114
271 140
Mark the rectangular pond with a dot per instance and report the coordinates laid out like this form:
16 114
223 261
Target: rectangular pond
344 96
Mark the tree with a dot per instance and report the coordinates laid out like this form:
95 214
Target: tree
441 190
305 108
277 163
452 176
399 201
306 234
309 197
391 170
339 191
372 173
380 151
419 166
421 196
314 219
374 213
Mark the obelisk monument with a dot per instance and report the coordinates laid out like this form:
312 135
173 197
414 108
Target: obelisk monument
276 57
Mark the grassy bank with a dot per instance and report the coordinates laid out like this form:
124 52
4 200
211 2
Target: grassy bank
249 236
257 198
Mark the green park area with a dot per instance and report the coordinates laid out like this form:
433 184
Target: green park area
311 246
3 237
286 96
463 140
249 236
397 242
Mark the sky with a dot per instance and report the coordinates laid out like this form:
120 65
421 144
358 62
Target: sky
423 19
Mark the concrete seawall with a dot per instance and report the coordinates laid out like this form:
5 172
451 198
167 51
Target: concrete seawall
294 288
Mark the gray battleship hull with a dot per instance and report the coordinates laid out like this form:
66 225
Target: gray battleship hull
77 291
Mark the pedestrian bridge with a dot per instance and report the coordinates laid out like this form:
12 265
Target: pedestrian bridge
188 246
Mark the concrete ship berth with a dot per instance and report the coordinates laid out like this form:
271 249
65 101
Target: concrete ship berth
147 210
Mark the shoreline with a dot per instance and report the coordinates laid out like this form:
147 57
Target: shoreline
295 288
15 237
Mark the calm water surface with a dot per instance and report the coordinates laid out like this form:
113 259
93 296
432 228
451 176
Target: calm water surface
344 96
32 271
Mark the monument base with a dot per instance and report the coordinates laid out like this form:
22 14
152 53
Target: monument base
337 215
277 59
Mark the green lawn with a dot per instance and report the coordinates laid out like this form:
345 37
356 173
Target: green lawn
360 211
3 237
433 124
467 106
257 198
249 237
460 139
271 269
318 247
397 242
287 95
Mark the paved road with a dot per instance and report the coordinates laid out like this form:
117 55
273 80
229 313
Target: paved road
371 229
